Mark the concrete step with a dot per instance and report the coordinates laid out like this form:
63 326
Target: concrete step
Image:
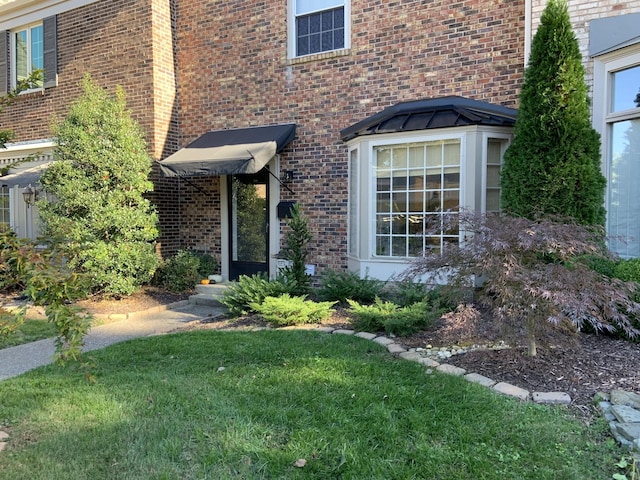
208 294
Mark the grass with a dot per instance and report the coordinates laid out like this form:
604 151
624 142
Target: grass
164 408
31 330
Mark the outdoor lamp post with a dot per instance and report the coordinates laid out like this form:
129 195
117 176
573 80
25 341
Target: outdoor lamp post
30 195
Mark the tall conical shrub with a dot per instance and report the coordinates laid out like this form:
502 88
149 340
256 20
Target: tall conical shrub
553 165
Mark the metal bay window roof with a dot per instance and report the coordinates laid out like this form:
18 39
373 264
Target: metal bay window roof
433 113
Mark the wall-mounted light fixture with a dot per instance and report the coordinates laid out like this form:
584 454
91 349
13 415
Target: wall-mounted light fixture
287 176
30 195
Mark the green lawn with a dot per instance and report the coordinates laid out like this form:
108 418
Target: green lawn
163 408
30 331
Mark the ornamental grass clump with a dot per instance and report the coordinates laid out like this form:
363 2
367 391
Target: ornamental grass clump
528 274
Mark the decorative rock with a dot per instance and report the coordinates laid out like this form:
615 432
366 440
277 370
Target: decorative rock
480 379
620 439
601 397
366 335
383 340
511 390
429 362
451 370
626 414
604 406
630 399
325 329
395 348
410 356
344 331
3 435
2 445
557 398
630 431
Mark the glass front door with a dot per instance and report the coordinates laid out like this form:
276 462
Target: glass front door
249 242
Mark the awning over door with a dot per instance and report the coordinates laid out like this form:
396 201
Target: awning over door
229 152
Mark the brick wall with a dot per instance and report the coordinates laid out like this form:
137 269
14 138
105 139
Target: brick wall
234 72
119 42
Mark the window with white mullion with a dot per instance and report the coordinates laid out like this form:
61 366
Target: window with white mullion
623 154
416 184
28 52
354 194
318 26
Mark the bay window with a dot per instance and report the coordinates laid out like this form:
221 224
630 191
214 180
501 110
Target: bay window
417 184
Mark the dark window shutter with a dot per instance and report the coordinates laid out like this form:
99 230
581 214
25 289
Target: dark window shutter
49 27
4 62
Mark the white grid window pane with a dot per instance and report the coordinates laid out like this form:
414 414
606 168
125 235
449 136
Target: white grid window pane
416 184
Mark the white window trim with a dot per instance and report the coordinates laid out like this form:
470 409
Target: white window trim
16 13
353 244
370 254
604 67
485 143
292 34
14 78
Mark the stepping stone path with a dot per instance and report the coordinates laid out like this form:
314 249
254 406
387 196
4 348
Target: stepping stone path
622 411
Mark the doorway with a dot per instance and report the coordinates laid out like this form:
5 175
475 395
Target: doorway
249 224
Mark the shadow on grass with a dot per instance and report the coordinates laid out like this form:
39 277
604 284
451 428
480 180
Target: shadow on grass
248 405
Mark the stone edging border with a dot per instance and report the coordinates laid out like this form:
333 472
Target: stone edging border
622 416
412 355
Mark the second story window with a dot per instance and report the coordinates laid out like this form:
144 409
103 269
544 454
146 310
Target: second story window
319 26
28 52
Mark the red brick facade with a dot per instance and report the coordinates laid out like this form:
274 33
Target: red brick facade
234 72
189 66
118 42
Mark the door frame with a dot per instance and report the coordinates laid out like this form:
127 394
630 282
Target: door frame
274 222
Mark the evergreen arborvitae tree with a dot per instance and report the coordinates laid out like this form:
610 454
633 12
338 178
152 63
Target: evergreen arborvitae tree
296 250
97 185
553 165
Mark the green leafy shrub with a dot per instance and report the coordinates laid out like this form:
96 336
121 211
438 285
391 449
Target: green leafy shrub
392 318
180 273
252 290
99 181
295 249
14 259
207 264
343 286
602 265
406 292
628 270
287 310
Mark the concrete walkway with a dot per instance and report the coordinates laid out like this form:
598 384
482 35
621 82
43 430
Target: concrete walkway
15 361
